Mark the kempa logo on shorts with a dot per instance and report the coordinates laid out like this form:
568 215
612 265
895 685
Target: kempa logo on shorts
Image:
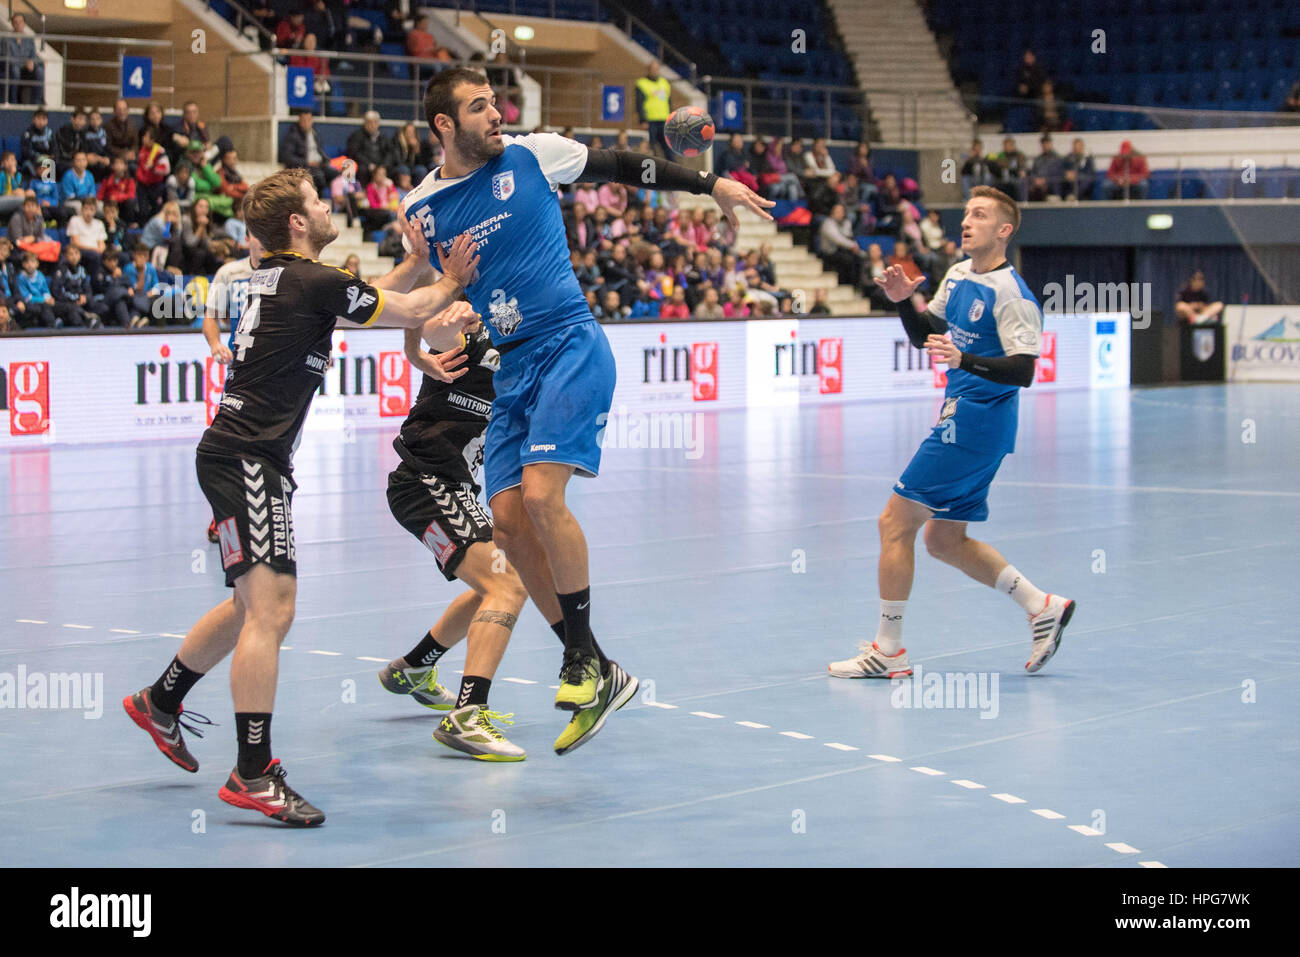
542 448
357 299
76 910
53 691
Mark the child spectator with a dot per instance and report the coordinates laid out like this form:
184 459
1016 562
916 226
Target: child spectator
119 186
143 287
94 143
37 141
381 200
46 188
11 184
709 307
36 303
675 307
151 171
72 293
181 188
613 306
735 306
76 185
345 190
70 140
237 231
232 183
115 231
87 235
27 223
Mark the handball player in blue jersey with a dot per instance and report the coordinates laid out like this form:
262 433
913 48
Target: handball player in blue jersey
994 327
556 380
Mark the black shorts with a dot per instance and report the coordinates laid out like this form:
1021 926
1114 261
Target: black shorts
445 515
252 504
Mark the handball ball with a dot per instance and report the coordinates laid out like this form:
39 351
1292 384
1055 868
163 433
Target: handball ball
689 131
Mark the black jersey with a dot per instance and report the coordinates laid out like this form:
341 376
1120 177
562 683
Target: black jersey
443 433
281 352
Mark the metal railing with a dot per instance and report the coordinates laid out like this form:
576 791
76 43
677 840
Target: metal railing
242 20
114 48
1161 117
778 108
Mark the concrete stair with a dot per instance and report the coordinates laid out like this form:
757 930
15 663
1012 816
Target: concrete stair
796 266
895 56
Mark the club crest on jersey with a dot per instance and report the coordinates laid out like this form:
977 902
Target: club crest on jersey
504 313
357 299
976 310
503 185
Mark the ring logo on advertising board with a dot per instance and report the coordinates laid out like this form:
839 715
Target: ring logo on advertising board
394 384
1045 366
697 365
823 358
25 392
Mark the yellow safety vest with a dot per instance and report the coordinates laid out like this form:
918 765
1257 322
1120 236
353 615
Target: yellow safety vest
655 94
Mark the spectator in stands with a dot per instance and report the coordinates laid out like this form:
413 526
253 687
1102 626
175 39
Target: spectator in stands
708 306
1046 173
69 140
622 275
123 138
233 186
659 281
1292 102
1079 172
977 169
301 146
613 199
782 183
187 129
932 231
319 65
26 72
7 323
381 201
653 105
27 223
181 186
9 259
115 230
587 194
236 230
142 286
89 236
368 147
160 231
1194 306
353 265
421 43
323 23
76 185
46 189
71 292
1029 77
872 269
95 144
853 195
203 247
152 167
838 249
37 141
345 192
613 307
889 203
34 293
12 189
1049 111
289 33
410 151
734 158
1128 174
736 307
820 306
675 307
153 120
860 164
1013 170
818 163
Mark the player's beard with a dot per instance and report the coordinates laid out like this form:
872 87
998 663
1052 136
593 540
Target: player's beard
475 149
321 233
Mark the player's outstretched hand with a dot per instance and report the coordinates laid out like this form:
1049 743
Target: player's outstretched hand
459 264
896 285
730 194
459 316
222 353
414 233
443 365
942 349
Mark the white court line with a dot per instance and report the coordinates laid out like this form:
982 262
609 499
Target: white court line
970 785
1050 815
30 621
660 704
1086 831
286 647
840 747
924 770
82 627
332 654
705 714
888 758
554 687
1119 847
1150 864
1009 798
520 681
798 735
123 631
380 660
752 724
168 634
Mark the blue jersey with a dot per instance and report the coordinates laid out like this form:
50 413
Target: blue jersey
988 314
228 292
525 286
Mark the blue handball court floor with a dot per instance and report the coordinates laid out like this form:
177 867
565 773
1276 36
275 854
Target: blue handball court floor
726 576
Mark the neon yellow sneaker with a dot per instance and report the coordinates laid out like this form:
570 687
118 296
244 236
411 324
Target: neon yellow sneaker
420 683
470 730
616 691
580 682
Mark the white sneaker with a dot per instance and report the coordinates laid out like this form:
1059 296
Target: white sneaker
420 683
470 730
1045 628
872 663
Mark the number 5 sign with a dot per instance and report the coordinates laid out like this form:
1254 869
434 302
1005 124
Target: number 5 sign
137 77
301 87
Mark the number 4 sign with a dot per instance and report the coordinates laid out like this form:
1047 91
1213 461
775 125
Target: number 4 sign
137 77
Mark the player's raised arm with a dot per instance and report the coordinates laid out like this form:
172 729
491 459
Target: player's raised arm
919 326
413 309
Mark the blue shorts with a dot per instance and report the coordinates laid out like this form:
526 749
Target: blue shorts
951 481
552 401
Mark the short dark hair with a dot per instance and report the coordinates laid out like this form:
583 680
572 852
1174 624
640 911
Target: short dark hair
270 203
139 248
440 96
1007 207
89 201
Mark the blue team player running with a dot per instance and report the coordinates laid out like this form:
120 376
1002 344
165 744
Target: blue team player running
556 379
996 326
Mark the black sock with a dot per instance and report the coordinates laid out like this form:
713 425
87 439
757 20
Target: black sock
253 729
473 690
426 653
558 628
172 686
576 609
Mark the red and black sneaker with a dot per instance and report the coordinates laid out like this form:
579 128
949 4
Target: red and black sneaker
213 537
164 728
271 795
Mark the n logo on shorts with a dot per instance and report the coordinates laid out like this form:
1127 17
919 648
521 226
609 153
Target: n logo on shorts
436 541
231 552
